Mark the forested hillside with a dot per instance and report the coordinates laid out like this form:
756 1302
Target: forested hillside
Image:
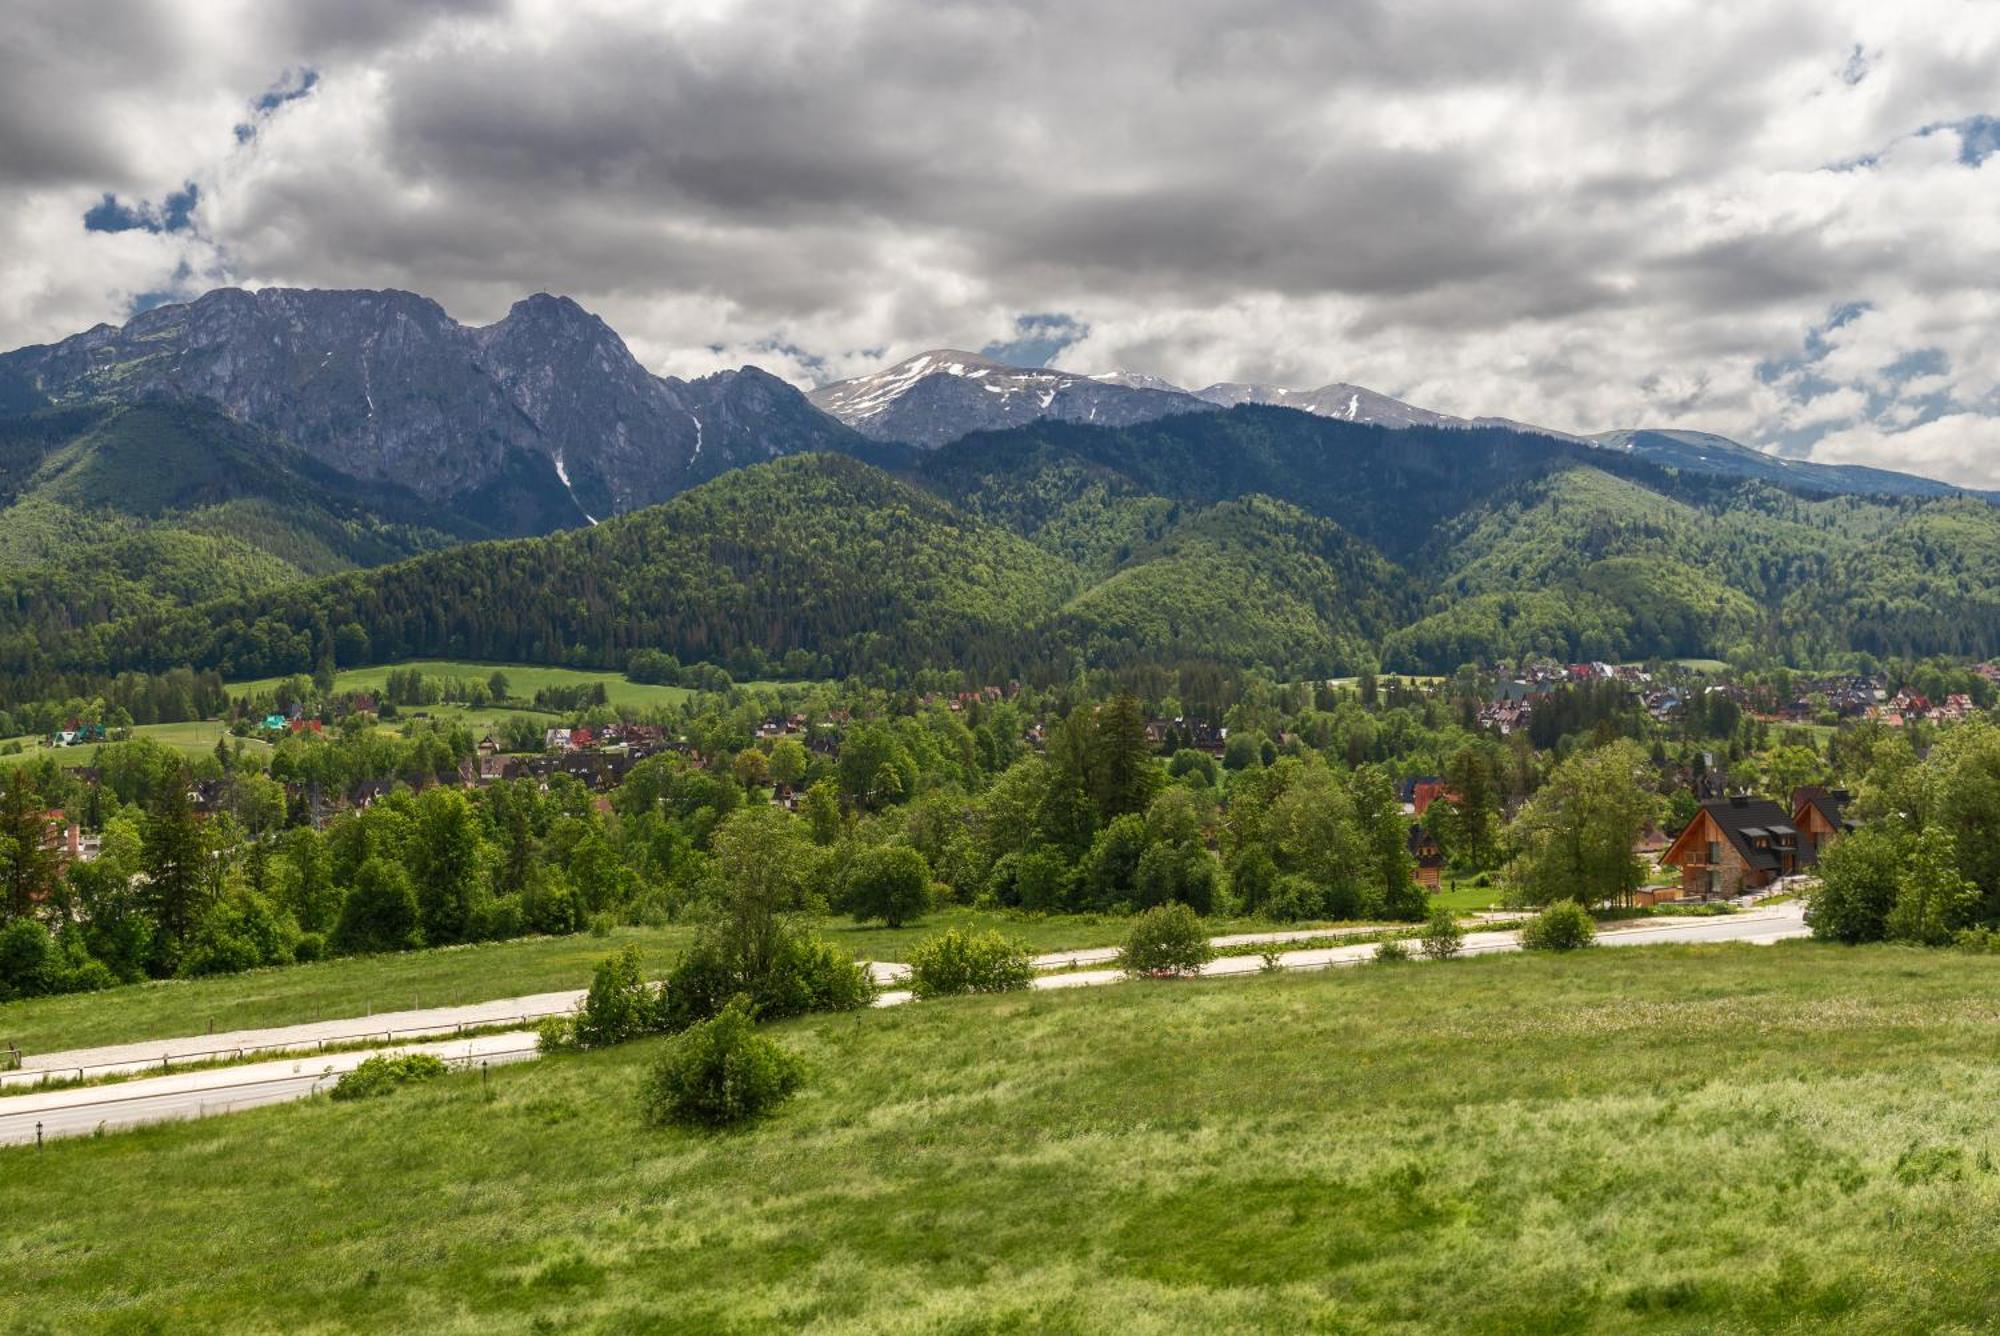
113 513
815 553
1255 536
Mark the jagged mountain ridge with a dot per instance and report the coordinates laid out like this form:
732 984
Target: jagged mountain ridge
387 386
939 396
924 401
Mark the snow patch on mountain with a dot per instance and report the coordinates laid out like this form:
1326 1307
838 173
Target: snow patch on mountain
563 473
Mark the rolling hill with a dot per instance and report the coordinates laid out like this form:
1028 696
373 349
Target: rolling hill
1252 536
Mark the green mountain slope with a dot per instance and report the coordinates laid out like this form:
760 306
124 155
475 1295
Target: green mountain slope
116 513
1255 536
1249 581
817 553
1928 584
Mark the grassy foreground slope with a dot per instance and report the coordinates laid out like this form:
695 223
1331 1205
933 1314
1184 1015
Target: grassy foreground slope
1677 1138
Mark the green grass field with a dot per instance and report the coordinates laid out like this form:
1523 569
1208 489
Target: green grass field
523 681
1465 897
1702 1139
452 976
190 739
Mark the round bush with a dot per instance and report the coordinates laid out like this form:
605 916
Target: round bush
718 1073
384 1075
961 962
1392 951
891 883
1563 926
1168 941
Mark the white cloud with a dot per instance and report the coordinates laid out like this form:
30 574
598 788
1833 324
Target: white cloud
1962 448
1581 214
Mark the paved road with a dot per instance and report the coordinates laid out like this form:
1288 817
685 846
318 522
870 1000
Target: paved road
197 1094
388 1026
1772 924
888 971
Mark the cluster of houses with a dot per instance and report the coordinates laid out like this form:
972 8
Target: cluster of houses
1846 696
1907 708
959 701
1183 731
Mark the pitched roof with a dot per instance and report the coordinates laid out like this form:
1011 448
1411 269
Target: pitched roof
1829 803
1742 820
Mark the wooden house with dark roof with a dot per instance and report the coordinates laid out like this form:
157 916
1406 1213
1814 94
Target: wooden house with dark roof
1427 855
1820 814
1733 845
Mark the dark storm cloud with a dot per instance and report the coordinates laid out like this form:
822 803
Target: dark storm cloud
1576 211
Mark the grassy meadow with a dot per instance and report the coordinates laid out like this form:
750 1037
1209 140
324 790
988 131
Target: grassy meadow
523 681
194 739
455 975
1700 1139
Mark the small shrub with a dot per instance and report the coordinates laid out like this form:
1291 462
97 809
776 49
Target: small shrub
960 962
1167 941
1978 941
1392 951
311 946
601 924
1563 926
385 1075
556 1034
1442 938
719 1073
1699 909
1273 958
620 1005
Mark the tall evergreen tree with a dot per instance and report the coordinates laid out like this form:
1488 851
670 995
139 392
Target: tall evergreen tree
1122 771
175 856
28 865
1066 816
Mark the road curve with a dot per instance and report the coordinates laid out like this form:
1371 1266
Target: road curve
195 1094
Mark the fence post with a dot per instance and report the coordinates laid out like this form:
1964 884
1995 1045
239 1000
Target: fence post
485 1078
38 1137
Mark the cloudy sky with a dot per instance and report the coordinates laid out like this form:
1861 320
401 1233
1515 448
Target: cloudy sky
1775 220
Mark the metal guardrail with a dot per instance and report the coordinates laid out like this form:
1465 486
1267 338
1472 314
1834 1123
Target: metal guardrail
31 1077
229 1096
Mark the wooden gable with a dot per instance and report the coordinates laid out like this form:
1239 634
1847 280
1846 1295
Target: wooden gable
1691 845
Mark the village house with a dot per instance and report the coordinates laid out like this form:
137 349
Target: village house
1428 855
1820 815
1733 845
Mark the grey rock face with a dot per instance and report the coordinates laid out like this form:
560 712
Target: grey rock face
387 385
